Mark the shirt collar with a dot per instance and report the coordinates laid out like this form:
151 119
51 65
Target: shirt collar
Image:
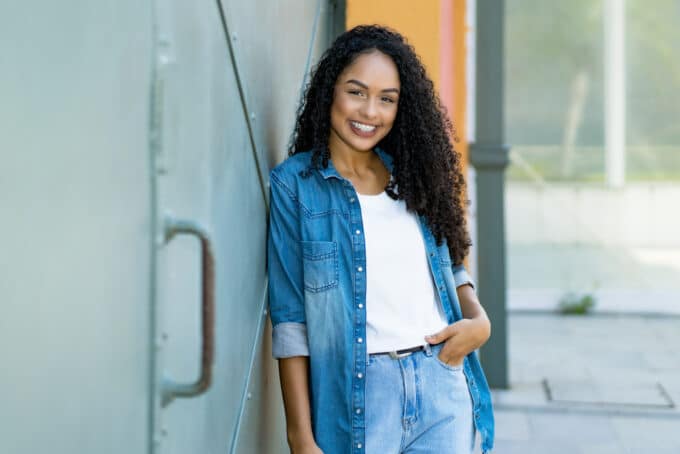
387 160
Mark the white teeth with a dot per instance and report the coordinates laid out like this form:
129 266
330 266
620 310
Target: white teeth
363 127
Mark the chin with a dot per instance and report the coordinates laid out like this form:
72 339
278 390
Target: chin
362 145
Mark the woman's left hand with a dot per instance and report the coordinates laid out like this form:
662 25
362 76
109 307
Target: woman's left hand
461 338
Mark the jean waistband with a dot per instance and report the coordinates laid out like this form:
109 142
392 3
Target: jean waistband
397 354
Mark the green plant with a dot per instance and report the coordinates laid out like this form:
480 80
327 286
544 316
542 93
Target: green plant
576 304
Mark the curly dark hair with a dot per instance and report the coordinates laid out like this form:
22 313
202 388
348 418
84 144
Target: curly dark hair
427 170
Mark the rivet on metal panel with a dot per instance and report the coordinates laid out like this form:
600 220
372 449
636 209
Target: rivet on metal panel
253 116
264 312
234 36
249 396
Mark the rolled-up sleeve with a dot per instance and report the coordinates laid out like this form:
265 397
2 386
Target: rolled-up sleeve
461 276
284 262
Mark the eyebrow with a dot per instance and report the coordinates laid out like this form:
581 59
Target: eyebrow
364 86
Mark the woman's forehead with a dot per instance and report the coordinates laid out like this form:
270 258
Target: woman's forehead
374 69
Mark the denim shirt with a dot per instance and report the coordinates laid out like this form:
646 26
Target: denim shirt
317 298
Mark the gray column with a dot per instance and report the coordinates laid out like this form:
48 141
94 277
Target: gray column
489 156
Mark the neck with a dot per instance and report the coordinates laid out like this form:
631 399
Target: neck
347 160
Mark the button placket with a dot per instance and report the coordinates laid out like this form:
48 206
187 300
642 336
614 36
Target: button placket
356 230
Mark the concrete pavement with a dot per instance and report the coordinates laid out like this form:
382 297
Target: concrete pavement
594 384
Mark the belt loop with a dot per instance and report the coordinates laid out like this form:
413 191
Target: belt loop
428 350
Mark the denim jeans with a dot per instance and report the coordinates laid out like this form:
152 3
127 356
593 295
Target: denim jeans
417 404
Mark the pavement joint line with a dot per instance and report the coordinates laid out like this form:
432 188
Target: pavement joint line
668 405
596 314
671 414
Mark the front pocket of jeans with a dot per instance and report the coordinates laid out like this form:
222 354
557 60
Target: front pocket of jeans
449 367
320 262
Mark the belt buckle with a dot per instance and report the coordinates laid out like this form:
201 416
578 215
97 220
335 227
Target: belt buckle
395 355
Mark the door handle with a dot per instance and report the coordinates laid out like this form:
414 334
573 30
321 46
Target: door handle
171 389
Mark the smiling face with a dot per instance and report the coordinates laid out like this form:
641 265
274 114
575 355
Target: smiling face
365 102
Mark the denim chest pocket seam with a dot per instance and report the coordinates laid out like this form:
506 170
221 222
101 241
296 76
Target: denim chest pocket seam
321 214
320 265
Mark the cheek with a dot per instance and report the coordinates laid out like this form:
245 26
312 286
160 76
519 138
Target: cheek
336 114
390 117
342 103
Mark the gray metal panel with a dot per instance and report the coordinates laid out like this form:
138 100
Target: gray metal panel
274 43
209 173
75 231
78 281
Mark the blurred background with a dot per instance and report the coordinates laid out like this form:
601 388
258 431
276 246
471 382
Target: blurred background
135 144
591 112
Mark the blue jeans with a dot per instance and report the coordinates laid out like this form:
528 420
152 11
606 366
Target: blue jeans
417 404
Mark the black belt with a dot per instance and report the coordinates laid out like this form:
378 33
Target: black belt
402 353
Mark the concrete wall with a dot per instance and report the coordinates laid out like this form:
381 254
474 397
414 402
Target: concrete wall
637 215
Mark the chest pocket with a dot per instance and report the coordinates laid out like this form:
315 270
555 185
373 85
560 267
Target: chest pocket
320 264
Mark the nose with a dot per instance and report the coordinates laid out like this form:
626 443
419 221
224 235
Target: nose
369 109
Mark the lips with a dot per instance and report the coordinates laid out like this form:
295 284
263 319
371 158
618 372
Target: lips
362 129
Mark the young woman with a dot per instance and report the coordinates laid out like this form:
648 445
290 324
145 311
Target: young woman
376 321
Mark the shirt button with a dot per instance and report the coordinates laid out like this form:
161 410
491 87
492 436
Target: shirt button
360 269
358 232
358 411
360 340
351 199
358 445
360 375
361 306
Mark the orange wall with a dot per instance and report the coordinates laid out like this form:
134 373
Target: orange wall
417 21
437 30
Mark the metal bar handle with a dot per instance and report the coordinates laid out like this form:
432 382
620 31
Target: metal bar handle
170 388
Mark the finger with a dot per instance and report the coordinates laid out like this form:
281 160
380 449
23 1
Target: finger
440 337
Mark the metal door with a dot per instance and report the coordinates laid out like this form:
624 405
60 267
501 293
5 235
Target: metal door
227 83
136 142
75 235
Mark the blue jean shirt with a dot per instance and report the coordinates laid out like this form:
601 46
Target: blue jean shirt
317 298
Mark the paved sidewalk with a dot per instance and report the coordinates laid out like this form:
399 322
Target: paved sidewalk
595 384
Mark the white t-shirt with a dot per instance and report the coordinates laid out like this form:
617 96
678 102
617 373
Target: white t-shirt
401 304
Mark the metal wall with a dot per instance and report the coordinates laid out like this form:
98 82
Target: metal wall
116 117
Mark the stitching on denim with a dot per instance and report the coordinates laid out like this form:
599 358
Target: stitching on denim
448 366
319 256
322 255
289 192
308 213
326 256
340 213
322 288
